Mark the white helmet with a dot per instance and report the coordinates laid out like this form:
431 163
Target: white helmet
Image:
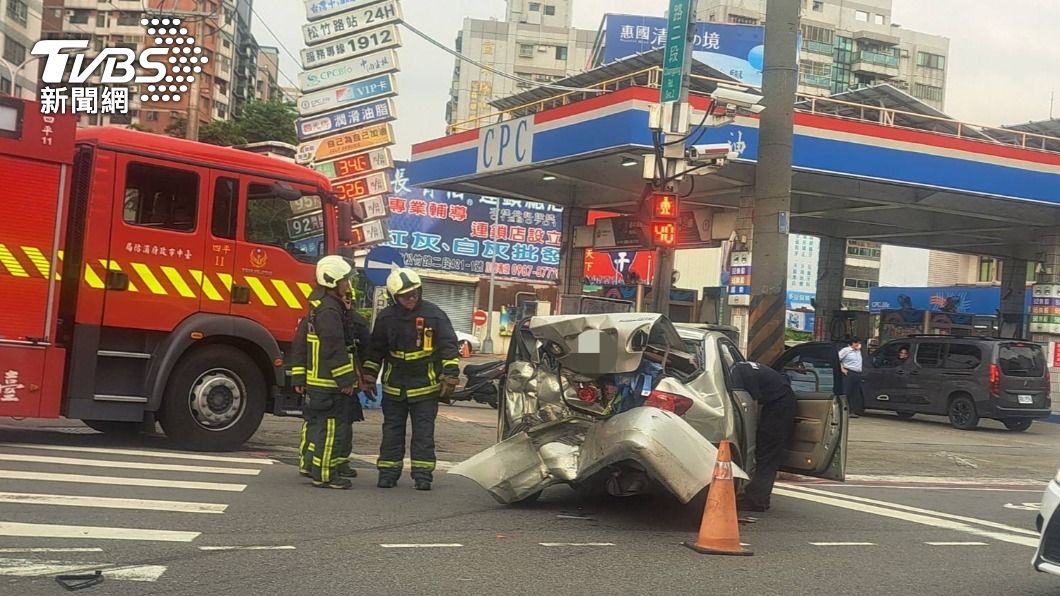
402 281
332 269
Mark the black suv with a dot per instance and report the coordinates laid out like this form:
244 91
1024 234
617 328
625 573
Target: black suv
965 378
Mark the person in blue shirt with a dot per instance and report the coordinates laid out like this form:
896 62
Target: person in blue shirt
850 362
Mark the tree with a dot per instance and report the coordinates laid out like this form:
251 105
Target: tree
222 132
178 128
268 121
139 127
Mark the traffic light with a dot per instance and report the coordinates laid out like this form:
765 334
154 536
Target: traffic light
663 208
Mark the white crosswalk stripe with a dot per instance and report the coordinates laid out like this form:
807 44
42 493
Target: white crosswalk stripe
54 499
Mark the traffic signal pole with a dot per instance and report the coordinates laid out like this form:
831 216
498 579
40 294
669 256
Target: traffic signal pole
772 202
673 100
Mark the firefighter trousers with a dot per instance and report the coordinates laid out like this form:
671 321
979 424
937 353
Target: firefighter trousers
392 449
329 433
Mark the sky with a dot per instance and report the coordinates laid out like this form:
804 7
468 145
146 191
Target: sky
1004 61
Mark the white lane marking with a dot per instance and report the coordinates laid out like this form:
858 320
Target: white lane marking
34 568
950 480
439 466
120 481
93 532
956 544
1036 491
935 522
961 518
111 503
843 543
141 453
51 550
550 544
128 465
288 547
1024 506
438 545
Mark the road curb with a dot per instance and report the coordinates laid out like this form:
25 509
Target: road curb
1055 418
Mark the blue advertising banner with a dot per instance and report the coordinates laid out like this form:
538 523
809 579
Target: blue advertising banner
800 300
344 119
970 300
454 232
736 50
801 321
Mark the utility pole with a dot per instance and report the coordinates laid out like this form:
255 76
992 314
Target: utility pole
772 203
487 344
192 128
673 100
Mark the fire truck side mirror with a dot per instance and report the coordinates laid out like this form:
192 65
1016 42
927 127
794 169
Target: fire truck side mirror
286 191
346 221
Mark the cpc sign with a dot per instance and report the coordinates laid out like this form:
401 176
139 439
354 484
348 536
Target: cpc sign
506 145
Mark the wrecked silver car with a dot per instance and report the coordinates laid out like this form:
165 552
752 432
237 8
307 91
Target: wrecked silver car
628 401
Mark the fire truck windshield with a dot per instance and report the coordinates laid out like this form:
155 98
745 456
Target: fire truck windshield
296 226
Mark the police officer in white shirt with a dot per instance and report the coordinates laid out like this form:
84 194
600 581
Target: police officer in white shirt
850 362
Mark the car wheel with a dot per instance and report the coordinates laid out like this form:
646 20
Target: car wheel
115 428
1018 424
214 400
962 413
905 415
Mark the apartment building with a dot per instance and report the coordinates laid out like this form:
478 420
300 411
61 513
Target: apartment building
20 28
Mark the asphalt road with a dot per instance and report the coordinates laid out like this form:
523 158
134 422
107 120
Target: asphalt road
926 509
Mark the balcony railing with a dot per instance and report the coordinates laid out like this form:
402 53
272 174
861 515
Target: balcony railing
814 80
817 47
878 58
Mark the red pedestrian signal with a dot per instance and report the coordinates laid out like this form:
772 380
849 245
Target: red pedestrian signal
663 206
664 234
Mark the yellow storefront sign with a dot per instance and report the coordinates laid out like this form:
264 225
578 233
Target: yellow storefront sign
345 143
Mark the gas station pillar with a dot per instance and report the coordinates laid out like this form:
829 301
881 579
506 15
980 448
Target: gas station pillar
1013 321
831 262
572 260
1044 324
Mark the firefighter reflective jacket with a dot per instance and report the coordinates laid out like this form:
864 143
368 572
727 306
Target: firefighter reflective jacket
321 355
413 349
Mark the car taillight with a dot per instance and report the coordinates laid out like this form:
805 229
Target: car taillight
678 404
995 380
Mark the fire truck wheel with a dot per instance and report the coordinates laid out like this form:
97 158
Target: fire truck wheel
214 400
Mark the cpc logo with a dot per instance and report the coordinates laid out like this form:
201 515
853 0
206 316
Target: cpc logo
173 62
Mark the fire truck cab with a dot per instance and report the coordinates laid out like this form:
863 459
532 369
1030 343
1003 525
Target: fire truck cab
147 277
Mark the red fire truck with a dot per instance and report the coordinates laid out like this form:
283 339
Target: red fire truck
145 277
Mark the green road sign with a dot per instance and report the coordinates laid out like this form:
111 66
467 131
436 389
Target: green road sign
675 54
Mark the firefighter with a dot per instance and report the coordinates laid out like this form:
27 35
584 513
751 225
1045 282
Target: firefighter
776 418
414 351
323 369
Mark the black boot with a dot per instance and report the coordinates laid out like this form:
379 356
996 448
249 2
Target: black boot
346 471
340 483
386 482
423 485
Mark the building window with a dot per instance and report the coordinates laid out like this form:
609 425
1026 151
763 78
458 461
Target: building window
5 86
14 52
928 60
161 198
861 16
535 7
987 269
150 116
526 50
815 74
101 19
928 92
818 6
79 17
561 53
879 19
128 19
550 10
17 10
742 20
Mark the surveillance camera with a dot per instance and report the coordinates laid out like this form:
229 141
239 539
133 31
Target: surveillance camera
728 96
711 152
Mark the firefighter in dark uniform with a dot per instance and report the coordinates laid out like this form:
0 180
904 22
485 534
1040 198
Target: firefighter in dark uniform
776 418
323 369
414 351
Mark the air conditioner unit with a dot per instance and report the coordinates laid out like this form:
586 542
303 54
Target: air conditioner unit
542 49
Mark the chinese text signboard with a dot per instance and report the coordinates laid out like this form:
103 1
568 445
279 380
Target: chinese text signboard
455 233
736 50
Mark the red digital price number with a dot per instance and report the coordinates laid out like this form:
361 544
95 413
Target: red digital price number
354 189
351 166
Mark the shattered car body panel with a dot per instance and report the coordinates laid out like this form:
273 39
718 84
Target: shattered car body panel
557 424
660 443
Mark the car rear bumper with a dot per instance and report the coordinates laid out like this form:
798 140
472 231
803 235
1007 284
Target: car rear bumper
1047 558
991 409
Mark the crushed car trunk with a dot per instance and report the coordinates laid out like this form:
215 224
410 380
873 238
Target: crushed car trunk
574 406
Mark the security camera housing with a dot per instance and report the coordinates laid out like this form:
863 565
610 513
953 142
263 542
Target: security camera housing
728 96
711 152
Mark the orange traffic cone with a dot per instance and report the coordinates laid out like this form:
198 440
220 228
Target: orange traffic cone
465 350
719 533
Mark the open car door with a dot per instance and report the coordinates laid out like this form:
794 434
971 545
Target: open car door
818 443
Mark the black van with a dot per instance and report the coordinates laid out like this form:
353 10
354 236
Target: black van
964 378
